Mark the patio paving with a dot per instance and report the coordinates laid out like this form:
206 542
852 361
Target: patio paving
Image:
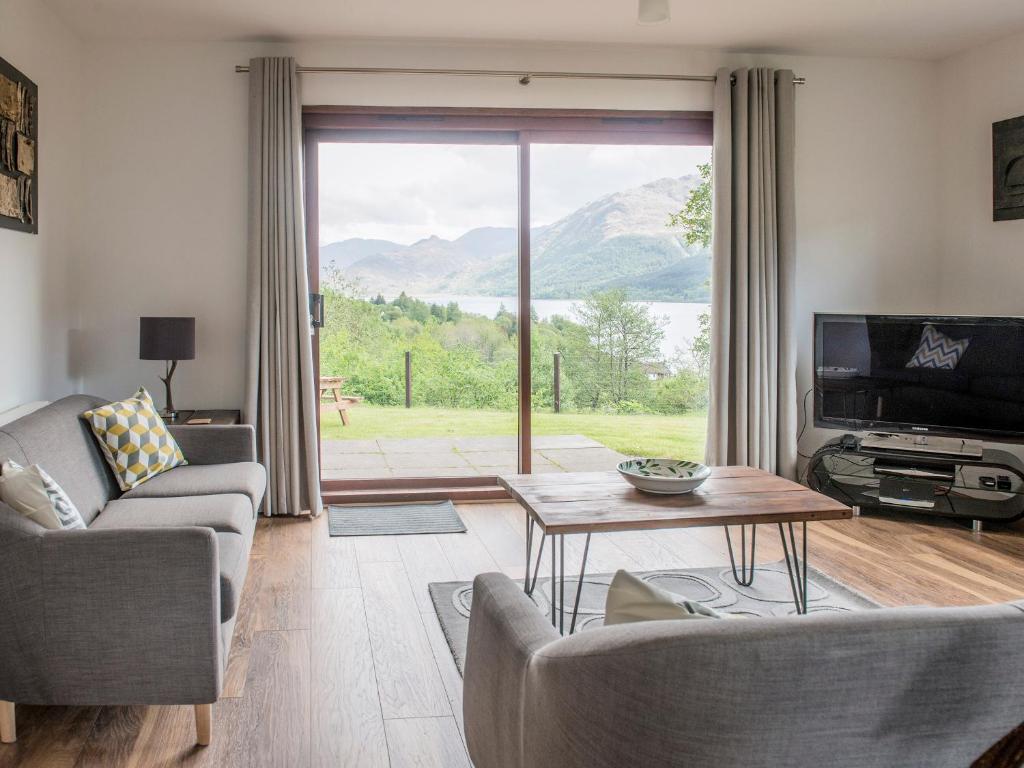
460 456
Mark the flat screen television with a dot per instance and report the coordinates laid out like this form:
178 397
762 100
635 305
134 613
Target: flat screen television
960 376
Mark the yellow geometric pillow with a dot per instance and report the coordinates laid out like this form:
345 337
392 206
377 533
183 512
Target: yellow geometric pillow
134 439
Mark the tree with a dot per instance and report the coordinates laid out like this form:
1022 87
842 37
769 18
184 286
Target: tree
700 346
623 335
695 217
506 321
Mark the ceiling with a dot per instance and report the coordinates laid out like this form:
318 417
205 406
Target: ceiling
925 29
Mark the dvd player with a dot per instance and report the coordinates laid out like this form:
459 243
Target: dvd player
931 444
902 494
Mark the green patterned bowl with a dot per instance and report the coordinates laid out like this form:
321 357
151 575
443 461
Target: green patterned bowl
668 476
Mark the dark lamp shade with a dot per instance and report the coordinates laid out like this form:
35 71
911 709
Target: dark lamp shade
167 338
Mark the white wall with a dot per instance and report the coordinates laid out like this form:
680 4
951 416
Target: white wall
37 295
167 134
983 260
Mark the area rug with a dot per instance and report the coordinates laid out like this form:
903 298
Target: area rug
394 519
769 595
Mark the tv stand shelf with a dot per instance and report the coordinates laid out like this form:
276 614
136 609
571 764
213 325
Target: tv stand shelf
986 488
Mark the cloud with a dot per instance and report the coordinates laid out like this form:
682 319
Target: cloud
406 192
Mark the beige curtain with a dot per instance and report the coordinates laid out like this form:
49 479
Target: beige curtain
280 397
752 413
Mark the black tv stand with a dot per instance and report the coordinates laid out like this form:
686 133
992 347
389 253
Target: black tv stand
986 488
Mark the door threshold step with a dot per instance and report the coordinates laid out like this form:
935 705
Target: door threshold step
404 495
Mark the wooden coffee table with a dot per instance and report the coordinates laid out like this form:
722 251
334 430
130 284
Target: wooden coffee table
601 502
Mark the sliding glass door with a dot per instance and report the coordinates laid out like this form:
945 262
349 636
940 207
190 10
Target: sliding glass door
418 269
619 299
503 291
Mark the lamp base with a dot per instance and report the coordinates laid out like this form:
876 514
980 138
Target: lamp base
169 413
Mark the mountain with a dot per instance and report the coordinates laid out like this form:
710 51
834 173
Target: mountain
347 252
485 242
618 241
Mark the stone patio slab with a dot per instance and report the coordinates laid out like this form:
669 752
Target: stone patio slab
565 441
492 458
544 469
350 446
460 456
441 472
399 461
354 474
354 461
583 459
472 444
391 445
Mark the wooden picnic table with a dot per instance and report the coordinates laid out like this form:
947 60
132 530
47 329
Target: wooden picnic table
330 387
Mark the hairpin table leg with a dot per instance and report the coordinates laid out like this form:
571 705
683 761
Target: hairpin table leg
745 575
579 585
797 566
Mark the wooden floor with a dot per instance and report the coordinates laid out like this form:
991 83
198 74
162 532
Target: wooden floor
339 660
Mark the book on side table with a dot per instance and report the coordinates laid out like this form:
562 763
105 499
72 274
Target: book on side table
199 418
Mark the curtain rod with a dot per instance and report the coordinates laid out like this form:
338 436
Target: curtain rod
524 77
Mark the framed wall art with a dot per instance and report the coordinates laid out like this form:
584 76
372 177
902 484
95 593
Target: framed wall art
19 156
1008 169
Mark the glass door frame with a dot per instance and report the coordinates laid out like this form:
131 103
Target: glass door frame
453 125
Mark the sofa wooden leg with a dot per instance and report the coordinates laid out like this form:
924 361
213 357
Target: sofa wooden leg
8 732
204 724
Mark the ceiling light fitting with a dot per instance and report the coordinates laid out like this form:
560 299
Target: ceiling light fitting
653 12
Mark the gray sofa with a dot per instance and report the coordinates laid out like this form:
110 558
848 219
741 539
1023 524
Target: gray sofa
140 607
929 687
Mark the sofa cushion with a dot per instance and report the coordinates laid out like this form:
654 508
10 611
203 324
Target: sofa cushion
34 494
225 513
246 477
630 599
233 554
56 438
134 439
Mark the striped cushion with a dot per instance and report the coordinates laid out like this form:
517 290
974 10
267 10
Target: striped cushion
36 495
937 350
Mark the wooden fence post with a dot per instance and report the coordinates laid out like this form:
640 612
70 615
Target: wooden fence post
558 382
408 379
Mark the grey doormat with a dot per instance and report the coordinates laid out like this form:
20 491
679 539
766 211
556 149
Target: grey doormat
769 595
394 519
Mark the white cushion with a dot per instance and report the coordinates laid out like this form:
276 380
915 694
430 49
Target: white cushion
36 495
632 599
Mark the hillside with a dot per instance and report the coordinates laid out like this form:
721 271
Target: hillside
619 240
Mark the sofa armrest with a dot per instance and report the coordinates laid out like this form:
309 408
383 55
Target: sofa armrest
216 443
128 616
505 629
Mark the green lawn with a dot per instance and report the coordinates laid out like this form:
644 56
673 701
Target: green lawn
636 435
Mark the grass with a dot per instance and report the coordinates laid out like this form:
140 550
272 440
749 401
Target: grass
679 437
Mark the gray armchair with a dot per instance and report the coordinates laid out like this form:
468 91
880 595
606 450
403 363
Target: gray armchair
880 688
140 607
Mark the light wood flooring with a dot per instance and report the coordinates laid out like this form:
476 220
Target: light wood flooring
338 658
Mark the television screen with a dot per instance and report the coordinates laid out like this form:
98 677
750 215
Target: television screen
901 373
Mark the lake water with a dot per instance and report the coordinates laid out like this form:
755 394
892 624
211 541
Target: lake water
682 324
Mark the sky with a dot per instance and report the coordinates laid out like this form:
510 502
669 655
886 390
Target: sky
408 192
